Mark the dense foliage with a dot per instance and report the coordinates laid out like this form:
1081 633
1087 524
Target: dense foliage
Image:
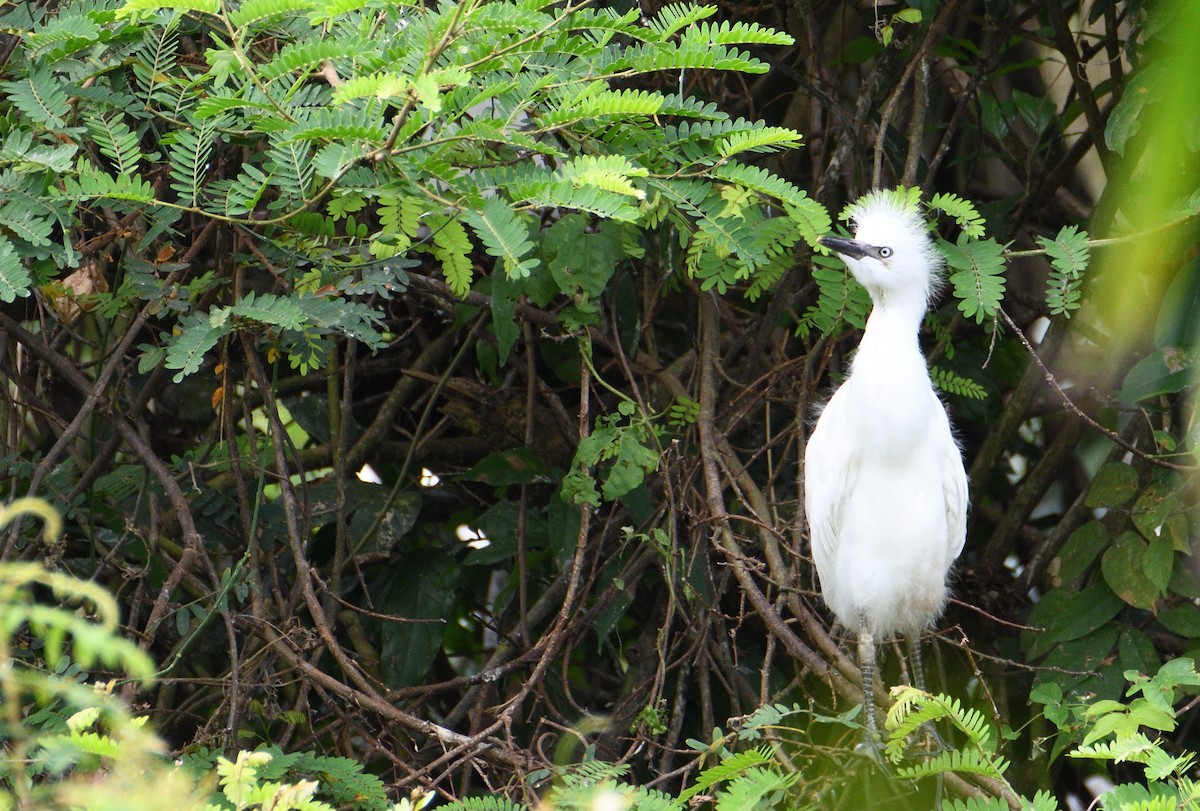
429 382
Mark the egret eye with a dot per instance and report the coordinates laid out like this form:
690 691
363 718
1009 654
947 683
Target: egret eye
885 253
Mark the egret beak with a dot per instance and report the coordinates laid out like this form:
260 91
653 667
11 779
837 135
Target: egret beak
845 247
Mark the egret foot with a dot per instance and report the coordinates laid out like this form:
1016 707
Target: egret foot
871 748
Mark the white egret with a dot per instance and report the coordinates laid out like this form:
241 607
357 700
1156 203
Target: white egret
885 490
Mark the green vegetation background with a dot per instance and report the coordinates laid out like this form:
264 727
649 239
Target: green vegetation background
550 271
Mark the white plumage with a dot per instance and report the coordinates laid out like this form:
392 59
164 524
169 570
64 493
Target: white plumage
885 490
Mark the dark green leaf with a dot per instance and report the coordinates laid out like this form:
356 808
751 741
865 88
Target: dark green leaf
1183 619
1065 614
1081 550
419 597
515 466
1114 484
1124 568
582 259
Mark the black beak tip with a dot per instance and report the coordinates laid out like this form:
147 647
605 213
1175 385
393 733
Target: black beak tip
844 247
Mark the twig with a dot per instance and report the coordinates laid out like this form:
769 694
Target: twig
1070 404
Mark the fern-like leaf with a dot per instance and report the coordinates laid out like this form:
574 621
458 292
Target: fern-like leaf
340 124
951 383
760 139
117 142
677 16
650 57
290 167
978 280
302 57
18 148
244 192
40 96
963 212
92 183
736 33
728 769
154 61
914 707
223 102
25 222
186 350
452 247
977 804
607 172
266 309
383 85
1069 254
188 158
753 788
61 35
14 279
504 235
202 6
966 761
763 182
597 100
253 12
490 802
840 299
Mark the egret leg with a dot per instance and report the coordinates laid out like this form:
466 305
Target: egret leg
866 665
918 671
918 667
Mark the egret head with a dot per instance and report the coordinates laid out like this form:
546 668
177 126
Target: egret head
891 254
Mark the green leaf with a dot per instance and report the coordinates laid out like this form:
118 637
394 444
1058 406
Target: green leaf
633 461
452 247
1066 614
91 183
1164 371
504 313
1081 550
116 141
41 97
581 260
62 35
202 6
963 211
1183 619
280 311
189 155
420 595
14 279
1114 484
951 383
1124 569
1159 511
978 282
673 17
515 466
504 235
186 350
252 12
1069 254
306 55
1147 84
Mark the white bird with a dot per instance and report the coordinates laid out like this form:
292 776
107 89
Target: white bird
885 490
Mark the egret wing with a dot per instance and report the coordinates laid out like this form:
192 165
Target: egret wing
828 476
954 483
